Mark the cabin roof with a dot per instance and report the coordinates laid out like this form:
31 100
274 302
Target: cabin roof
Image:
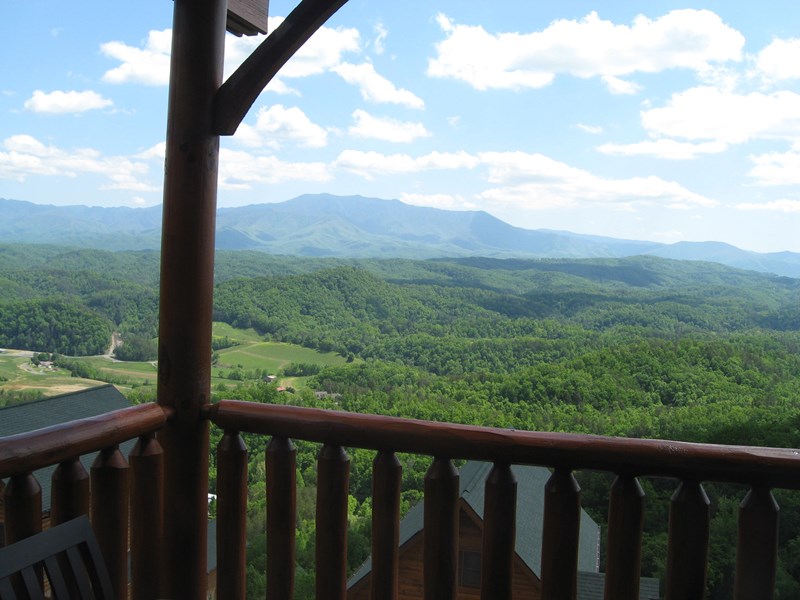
28 416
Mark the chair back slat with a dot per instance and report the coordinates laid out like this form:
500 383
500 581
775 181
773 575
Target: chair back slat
70 546
58 585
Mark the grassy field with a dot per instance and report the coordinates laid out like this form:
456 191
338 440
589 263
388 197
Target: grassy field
20 375
249 354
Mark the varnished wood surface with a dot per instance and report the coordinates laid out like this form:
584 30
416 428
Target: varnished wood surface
768 467
52 445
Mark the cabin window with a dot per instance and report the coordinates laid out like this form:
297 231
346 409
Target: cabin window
469 568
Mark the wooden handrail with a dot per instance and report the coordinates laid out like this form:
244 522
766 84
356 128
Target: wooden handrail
767 467
27 452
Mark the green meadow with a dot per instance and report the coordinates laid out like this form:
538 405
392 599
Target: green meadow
248 358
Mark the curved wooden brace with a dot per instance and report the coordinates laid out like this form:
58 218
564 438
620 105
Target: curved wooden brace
235 97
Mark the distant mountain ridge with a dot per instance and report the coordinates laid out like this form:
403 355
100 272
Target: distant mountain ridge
356 227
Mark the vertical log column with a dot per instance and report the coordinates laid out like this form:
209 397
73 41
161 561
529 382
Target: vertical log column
560 536
147 518
333 478
23 510
625 524
756 546
23 506
440 554
187 270
110 502
281 458
499 533
386 476
687 556
231 516
69 492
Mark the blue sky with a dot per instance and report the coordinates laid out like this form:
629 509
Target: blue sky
649 120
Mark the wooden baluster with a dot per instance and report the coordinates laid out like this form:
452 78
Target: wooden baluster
440 555
333 477
110 500
386 478
23 507
687 555
625 523
499 533
147 518
560 536
281 459
231 516
69 492
22 498
756 546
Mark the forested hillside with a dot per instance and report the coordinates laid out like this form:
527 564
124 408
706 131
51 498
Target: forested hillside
640 346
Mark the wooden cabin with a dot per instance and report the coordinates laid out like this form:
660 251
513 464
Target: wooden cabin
526 581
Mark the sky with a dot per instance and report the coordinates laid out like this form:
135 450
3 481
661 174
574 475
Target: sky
655 120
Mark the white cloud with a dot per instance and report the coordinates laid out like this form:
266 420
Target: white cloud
709 113
381 33
158 151
535 181
375 87
148 65
664 148
777 168
384 128
593 129
780 60
373 164
25 156
59 102
277 125
443 201
323 51
239 170
620 87
782 206
691 39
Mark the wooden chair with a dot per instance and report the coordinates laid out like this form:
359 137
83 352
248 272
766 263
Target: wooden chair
70 556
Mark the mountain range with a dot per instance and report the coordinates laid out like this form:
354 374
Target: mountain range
354 226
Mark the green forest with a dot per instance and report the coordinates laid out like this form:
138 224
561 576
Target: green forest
638 347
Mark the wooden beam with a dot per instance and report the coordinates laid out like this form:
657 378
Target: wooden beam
187 283
237 95
247 17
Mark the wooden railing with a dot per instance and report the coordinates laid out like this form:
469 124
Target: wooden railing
118 487
690 464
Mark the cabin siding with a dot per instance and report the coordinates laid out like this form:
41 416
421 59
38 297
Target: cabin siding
525 585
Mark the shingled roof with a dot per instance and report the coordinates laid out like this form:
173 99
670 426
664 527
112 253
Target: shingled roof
28 416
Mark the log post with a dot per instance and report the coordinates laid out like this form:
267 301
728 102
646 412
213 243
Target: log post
756 546
110 502
281 460
625 525
187 276
386 477
23 506
687 554
333 478
231 516
147 518
561 536
499 533
440 554
69 492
